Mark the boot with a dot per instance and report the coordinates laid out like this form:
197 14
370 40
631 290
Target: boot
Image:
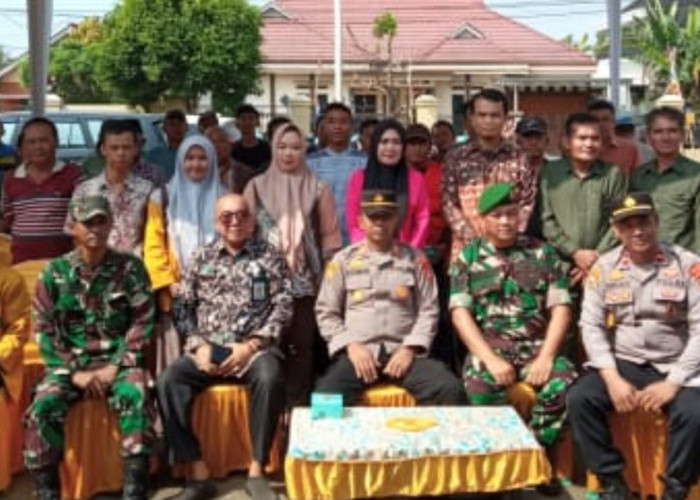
48 483
136 478
613 488
674 489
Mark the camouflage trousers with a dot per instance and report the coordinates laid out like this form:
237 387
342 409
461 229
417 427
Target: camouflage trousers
54 395
549 411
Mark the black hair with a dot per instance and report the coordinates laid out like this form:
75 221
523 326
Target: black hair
446 124
577 119
340 107
37 120
117 127
368 122
601 105
274 124
667 112
175 115
244 109
491 95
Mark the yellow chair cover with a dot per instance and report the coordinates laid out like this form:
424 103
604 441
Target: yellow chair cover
387 395
220 419
6 424
30 270
5 250
91 460
522 397
641 437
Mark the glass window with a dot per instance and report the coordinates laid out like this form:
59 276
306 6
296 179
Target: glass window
70 135
9 136
94 125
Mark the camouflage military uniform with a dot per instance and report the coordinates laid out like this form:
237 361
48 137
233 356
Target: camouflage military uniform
87 319
508 293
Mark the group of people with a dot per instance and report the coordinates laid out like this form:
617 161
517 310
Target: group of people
205 263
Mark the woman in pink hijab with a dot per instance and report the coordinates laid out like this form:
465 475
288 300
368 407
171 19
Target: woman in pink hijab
295 212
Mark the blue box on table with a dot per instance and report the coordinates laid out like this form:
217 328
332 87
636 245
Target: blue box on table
326 406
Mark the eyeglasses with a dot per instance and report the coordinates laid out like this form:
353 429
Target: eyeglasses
239 216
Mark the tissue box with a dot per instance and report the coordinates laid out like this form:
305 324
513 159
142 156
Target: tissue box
326 406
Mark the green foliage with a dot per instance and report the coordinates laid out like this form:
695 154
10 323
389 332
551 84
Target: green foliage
666 46
5 59
385 25
184 48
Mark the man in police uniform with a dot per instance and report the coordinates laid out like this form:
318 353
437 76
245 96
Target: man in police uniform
511 307
378 311
641 330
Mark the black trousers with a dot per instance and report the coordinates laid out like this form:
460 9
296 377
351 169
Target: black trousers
428 380
589 403
302 348
182 381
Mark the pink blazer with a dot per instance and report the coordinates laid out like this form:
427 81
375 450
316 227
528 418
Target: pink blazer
414 230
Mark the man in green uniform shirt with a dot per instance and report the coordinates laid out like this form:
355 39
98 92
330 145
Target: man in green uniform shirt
510 304
577 193
93 315
672 180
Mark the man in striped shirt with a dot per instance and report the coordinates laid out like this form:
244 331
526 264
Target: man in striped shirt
36 195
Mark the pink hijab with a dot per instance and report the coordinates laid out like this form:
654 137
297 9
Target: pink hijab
288 197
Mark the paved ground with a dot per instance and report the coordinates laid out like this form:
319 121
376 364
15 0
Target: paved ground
233 489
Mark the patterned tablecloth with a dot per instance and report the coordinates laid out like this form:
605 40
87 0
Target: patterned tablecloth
463 449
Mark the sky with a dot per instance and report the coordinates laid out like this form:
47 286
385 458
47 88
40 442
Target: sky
556 18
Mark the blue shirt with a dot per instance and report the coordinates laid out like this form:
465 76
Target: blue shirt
335 169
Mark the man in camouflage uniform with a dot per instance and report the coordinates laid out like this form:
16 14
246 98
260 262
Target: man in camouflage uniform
378 311
510 304
94 316
640 324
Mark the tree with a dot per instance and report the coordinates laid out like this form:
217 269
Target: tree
670 50
73 71
5 59
183 48
385 28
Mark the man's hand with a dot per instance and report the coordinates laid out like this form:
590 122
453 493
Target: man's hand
624 395
539 371
400 362
107 374
576 276
202 357
585 259
502 371
239 358
89 382
363 362
657 395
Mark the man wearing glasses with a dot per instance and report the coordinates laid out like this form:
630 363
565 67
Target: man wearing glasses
234 301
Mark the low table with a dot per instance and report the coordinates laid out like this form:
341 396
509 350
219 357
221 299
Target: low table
469 449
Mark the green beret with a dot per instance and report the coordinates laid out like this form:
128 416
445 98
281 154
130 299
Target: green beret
494 196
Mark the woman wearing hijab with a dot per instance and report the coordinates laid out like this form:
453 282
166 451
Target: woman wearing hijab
180 218
295 212
387 169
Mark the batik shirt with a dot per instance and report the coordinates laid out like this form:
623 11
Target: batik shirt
128 210
468 170
227 298
509 292
87 318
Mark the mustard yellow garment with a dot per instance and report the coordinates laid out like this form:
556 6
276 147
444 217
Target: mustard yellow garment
158 255
14 331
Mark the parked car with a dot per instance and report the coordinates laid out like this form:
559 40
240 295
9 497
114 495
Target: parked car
78 131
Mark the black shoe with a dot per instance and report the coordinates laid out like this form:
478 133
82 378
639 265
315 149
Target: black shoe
48 483
136 478
197 490
259 489
613 488
674 489
553 488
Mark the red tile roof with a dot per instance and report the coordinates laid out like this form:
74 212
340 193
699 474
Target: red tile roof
426 30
